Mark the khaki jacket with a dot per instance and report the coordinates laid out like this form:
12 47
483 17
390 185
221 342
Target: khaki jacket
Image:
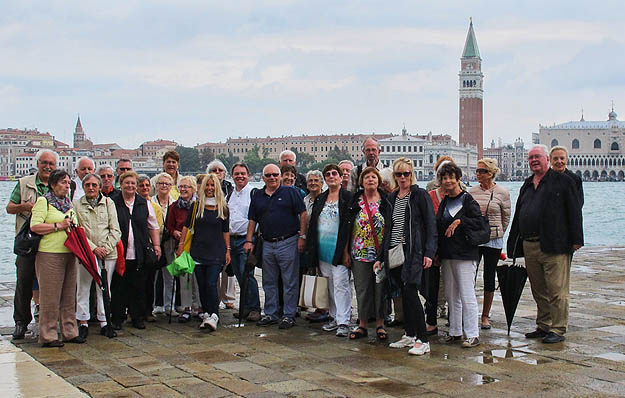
498 210
100 224
28 193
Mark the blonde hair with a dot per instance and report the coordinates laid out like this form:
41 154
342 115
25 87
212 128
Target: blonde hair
163 175
491 166
387 178
222 205
407 163
190 180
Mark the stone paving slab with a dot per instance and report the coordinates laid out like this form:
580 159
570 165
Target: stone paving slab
170 360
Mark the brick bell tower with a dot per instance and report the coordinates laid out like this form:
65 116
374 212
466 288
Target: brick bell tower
471 94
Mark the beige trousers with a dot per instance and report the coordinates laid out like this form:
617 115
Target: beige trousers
227 288
56 273
549 276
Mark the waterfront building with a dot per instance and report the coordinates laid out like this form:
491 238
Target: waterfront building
511 160
156 149
471 93
595 147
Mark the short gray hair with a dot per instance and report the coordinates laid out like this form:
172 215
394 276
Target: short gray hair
541 147
104 167
85 158
213 164
346 161
271 164
142 177
559 148
314 173
42 151
288 152
92 175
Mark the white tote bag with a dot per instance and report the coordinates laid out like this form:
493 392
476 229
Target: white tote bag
314 292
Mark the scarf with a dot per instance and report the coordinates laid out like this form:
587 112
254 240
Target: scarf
61 204
210 202
94 202
184 204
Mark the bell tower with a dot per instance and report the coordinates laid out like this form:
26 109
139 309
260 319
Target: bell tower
79 135
471 93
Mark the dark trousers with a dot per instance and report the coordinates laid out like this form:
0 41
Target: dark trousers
207 276
149 291
491 259
414 317
432 278
129 293
238 259
23 289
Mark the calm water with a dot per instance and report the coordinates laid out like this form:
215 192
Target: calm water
604 218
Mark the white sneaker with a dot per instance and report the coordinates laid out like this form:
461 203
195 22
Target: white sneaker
419 348
159 309
204 316
330 326
212 321
404 342
173 312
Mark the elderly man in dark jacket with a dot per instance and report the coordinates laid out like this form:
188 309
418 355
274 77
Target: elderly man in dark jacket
546 230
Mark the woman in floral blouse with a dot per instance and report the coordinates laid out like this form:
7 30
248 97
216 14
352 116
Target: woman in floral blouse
362 248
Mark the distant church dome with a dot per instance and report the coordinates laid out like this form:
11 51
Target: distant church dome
612 115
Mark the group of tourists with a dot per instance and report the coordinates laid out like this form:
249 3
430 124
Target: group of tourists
369 225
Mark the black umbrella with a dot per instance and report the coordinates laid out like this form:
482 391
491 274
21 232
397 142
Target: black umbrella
511 283
250 264
106 298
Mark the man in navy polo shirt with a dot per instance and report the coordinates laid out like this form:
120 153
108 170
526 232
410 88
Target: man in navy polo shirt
281 215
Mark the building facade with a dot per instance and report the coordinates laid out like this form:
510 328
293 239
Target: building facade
471 93
511 160
595 147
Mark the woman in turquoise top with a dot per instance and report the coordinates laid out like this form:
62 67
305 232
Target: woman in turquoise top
55 265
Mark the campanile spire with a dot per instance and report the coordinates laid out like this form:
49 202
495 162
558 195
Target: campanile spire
471 93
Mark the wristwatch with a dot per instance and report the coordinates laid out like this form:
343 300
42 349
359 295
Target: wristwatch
56 229
303 236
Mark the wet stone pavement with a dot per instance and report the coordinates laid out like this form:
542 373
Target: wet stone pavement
170 360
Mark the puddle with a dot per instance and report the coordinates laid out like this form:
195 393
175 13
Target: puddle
241 354
483 359
533 361
314 334
477 379
504 353
439 355
612 356
356 349
261 335
619 303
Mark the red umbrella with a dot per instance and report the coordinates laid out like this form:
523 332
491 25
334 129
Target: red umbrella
77 243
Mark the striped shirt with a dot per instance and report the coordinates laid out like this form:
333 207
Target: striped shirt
399 218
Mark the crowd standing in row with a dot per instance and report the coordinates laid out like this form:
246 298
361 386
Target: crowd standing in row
373 223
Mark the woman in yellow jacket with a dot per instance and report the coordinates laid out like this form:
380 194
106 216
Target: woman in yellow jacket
55 264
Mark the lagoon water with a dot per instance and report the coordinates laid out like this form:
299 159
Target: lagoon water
604 218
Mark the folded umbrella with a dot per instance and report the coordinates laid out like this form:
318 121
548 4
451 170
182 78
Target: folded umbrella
183 264
106 299
78 244
250 264
512 280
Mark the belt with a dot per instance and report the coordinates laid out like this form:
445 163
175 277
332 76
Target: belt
238 236
279 238
532 239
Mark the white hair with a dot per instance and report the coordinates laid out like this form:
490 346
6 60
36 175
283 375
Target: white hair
314 173
85 158
213 164
288 152
104 167
271 164
42 151
542 147
444 162
346 161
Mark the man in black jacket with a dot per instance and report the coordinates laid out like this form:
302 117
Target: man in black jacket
547 229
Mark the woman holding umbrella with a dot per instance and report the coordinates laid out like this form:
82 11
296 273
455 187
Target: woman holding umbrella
98 216
138 224
55 265
210 246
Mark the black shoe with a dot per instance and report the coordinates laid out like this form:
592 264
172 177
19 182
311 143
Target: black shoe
77 340
20 330
552 338
83 331
139 324
433 332
116 325
245 314
54 343
536 334
266 321
286 323
108 331
394 323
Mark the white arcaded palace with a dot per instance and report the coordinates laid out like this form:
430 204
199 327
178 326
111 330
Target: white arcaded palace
595 147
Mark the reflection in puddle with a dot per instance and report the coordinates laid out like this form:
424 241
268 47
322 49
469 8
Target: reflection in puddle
533 361
439 355
261 335
241 354
314 334
504 353
484 359
356 349
477 379
612 356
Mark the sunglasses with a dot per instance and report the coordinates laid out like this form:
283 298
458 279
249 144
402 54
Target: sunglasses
481 171
332 173
403 173
106 175
217 170
125 168
274 175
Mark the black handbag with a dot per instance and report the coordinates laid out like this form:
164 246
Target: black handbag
481 235
26 242
150 259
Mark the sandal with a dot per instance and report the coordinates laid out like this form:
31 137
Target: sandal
358 333
381 333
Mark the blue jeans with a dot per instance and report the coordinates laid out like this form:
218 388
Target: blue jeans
280 259
237 260
207 276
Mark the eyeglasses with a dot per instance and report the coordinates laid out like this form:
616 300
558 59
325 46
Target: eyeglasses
274 175
184 187
481 171
217 170
125 168
46 163
106 175
163 184
332 173
403 173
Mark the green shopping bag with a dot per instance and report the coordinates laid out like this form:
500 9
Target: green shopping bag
183 264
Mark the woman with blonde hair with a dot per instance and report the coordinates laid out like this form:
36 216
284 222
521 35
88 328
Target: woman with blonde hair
494 201
210 246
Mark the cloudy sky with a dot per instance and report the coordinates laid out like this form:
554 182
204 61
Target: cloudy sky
197 71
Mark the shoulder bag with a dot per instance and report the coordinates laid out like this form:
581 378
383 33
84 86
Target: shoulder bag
258 247
26 242
481 235
375 236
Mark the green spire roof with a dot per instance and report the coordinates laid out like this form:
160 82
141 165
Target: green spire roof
470 46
